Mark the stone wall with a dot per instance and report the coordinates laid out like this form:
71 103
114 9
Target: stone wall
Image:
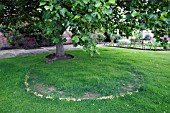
3 41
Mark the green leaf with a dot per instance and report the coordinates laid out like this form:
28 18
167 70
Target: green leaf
49 31
152 15
56 40
90 10
46 15
84 38
132 8
86 1
112 1
94 14
107 4
103 20
99 17
48 8
108 11
63 11
134 14
2 6
142 25
162 18
64 40
88 17
56 17
164 13
42 3
98 4
128 16
76 17
84 19
75 44
75 39
68 23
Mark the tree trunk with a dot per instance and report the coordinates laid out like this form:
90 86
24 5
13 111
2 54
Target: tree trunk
59 49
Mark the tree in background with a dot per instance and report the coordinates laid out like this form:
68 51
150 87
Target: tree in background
20 19
146 14
18 11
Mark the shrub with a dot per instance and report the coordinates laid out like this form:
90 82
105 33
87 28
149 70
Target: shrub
16 34
156 44
124 42
98 37
117 37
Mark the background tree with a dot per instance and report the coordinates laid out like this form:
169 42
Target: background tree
18 17
15 11
146 14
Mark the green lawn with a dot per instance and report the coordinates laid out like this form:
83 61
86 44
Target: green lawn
103 75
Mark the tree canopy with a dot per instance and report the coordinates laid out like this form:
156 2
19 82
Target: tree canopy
84 17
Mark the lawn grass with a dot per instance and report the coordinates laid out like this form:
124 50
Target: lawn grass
88 74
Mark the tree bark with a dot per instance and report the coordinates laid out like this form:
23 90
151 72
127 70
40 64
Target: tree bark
59 49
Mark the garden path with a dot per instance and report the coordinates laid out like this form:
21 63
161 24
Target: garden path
24 52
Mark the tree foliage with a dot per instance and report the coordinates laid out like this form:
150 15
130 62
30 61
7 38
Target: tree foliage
84 17
21 16
147 14
15 11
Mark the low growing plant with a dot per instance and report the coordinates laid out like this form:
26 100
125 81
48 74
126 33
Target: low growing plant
117 37
98 37
124 42
155 45
164 41
150 45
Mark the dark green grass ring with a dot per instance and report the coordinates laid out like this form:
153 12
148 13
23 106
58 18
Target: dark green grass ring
74 88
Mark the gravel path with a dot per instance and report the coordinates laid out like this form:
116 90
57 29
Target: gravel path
23 52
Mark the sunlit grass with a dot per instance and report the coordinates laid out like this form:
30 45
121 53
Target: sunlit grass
85 73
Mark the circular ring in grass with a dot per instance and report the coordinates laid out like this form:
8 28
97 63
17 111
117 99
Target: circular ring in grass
81 83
